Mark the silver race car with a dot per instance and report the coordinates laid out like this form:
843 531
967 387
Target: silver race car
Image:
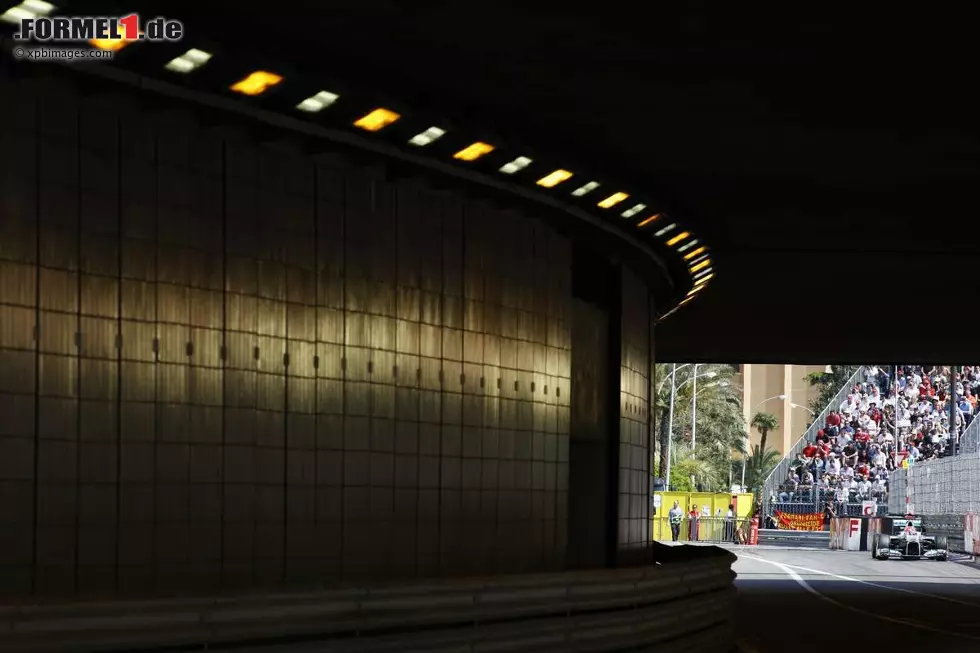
902 538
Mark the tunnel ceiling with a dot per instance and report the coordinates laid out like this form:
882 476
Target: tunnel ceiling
831 160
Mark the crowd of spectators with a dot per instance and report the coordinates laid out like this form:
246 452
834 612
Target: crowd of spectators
882 425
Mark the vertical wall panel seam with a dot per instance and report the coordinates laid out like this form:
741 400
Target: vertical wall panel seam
154 547
224 361
284 358
118 343
37 341
78 340
344 274
442 375
316 353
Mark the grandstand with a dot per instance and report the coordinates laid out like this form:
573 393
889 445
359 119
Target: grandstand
882 419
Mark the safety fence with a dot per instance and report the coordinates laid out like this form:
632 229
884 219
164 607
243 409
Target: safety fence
703 529
615 609
781 471
847 509
945 486
970 439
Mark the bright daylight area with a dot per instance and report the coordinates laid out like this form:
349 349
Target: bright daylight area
829 483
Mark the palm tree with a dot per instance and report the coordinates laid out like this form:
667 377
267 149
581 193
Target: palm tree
721 425
764 422
760 464
704 472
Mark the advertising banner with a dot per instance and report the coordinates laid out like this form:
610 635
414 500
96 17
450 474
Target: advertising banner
807 522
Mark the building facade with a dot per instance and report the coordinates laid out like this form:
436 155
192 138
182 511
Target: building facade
783 391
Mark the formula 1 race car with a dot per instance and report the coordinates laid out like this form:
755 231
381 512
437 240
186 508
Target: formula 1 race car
902 538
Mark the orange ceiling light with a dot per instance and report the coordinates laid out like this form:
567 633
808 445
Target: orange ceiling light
474 151
613 200
700 266
555 178
647 221
377 120
678 238
703 280
690 255
256 83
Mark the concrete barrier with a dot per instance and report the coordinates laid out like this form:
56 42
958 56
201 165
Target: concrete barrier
597 610
952 526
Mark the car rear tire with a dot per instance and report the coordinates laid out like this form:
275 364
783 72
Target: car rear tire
942 543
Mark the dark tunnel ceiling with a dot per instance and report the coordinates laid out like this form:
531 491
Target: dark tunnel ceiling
828 158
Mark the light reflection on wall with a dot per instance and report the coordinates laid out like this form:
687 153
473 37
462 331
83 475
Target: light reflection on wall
242 368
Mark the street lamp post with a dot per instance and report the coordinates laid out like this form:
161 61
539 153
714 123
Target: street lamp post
694 414
670 422
670 412
812 414
747 444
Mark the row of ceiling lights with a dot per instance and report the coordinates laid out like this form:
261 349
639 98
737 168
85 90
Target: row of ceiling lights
694 253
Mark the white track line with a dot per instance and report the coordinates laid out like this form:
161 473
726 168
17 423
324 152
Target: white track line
938 597
788 570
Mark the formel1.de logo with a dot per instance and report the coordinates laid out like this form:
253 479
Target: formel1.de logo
34 26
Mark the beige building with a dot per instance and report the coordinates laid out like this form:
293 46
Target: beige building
783 391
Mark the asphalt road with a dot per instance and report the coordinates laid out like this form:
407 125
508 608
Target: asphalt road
804 600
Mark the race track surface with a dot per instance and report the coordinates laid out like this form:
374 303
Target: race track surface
804 601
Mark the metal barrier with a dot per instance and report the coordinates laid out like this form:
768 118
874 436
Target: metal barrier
781 470
848 509
624 609
970 440
797 539
945 486
711 530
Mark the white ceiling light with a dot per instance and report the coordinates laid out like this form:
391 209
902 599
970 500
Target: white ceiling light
688 246
702 273
629 213
588 188
318 102
27 10
519 163
697 260
429 135
188 61
665 230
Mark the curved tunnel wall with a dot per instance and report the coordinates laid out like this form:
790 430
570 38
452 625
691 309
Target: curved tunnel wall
227 365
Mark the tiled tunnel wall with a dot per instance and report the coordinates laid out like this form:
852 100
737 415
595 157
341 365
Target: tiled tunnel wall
226 365
635 425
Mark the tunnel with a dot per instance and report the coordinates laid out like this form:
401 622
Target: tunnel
317 351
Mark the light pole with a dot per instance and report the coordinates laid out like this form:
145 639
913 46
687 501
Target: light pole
694 406
747 444
812 414
670 412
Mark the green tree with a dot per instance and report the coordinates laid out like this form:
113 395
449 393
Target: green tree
828 384
764 422
759 465
720 429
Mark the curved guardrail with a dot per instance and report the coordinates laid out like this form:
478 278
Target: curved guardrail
781 470
601 610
